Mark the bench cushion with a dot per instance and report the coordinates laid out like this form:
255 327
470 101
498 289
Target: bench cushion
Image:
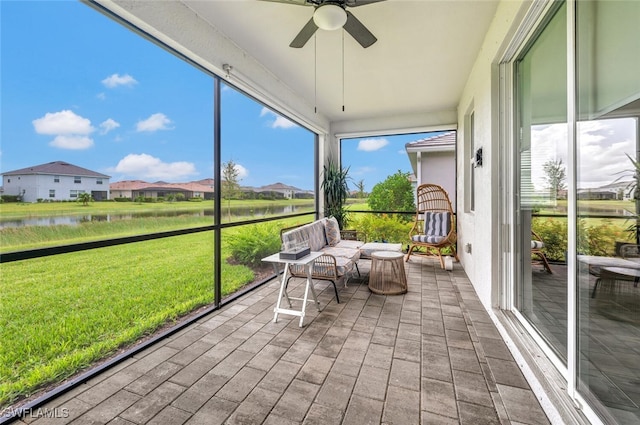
311 235
349 253
343 266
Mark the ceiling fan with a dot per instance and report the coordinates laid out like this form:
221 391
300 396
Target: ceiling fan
331 15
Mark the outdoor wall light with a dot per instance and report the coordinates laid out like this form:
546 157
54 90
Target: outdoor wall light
478 158
330 17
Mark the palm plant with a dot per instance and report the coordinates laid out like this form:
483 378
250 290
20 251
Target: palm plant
85 198
335 185
633 190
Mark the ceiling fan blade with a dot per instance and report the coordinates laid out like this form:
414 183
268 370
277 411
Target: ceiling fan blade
358 31
294 2
304 35
355 3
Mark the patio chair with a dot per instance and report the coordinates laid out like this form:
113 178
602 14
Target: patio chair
434 227
536 251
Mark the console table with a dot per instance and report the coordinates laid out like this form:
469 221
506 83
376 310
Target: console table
306 261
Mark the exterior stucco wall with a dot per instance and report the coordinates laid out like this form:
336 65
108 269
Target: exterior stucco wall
479 228
37 186
440 168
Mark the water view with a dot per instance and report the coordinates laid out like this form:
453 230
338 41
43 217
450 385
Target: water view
75 219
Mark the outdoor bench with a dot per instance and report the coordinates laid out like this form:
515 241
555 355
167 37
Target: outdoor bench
341 249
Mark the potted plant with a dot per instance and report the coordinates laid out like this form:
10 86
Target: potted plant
335 185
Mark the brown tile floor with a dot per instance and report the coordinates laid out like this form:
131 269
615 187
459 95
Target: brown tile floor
430 356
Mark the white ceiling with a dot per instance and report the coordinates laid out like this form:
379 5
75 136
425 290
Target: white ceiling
420 63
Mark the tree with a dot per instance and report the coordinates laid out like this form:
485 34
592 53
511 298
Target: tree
360 187
230 183
393 194
85 198
555 176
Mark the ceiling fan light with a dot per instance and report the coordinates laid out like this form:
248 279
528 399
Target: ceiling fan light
329 17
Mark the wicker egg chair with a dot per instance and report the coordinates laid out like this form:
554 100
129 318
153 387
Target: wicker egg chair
434 227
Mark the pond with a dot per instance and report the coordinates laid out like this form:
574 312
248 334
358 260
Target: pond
75 219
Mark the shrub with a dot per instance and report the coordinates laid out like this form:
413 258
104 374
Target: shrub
393 194
250 244
383 228
596 239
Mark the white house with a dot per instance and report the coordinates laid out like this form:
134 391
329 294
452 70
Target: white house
433 160
55 181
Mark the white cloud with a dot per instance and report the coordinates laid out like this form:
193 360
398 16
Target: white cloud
108 125
116 80
602 149
370 145
155 122
242 171
63 122
361 171
278 120
145 166
71 142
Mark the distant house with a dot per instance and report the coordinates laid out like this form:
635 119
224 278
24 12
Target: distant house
55 181
132 189
617 190
287 192
433 160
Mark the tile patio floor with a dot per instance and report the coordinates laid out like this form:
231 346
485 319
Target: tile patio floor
431 356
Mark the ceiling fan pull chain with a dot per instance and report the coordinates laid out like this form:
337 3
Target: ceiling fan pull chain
342 70
315 74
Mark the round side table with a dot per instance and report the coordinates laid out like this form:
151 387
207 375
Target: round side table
387 276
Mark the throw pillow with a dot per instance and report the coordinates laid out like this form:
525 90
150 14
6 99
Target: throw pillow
332 231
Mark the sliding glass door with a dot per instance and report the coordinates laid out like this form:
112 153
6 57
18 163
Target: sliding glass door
541 291
576 183
608 202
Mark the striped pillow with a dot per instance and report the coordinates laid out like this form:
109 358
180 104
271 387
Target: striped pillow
437 223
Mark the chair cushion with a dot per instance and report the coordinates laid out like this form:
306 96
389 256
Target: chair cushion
332 231
437 224
537 244
428 239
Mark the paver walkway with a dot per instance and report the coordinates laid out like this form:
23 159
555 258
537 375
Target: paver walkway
430 356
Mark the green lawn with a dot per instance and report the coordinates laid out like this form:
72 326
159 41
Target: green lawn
58 314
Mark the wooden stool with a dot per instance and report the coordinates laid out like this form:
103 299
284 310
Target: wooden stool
387 276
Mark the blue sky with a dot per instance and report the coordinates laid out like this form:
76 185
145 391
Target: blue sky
78 87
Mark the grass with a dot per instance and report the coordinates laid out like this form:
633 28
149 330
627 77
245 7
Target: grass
59 314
